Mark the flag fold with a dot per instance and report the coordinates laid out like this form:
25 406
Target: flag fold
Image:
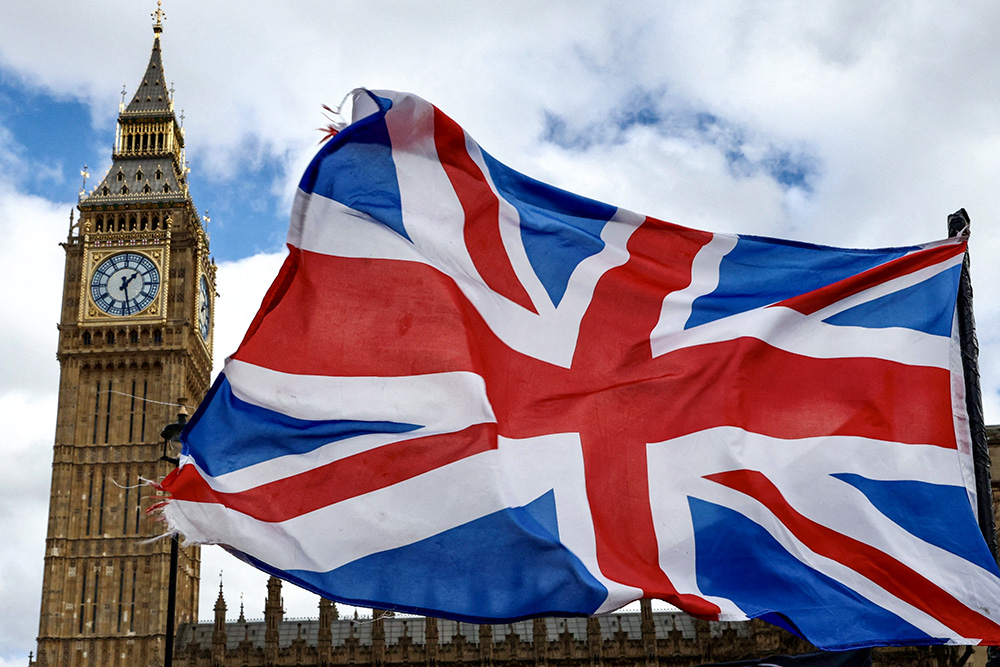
474 395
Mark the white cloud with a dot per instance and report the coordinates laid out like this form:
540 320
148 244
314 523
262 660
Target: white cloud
31 268
241 285
28 425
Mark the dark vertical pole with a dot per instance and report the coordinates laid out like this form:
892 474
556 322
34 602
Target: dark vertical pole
958 225
172 433
168 654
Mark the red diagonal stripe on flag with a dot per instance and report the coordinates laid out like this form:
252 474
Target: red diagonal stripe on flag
810 302
877 566
482 212
362 473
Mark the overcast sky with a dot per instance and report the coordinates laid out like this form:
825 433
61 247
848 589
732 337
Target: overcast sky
836 122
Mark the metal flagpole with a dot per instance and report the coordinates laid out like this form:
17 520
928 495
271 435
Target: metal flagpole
958 225
171 433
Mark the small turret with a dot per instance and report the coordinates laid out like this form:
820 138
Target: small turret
274 613
219 633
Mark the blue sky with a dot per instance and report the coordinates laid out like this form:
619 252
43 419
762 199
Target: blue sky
56 137
851 124
747 154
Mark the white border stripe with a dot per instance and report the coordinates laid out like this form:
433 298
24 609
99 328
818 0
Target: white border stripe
329 537
808 335
676 308
451 400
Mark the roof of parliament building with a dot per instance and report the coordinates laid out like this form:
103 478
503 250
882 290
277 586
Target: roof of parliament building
626 639
628 625
386 638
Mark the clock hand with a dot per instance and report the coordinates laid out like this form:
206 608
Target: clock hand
126 281
124 289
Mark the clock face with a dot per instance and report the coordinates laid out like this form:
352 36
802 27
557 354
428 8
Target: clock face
125 284
204 309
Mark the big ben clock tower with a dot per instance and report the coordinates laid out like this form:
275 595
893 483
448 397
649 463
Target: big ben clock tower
135 341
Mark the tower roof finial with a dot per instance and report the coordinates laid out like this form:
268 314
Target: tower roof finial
159 15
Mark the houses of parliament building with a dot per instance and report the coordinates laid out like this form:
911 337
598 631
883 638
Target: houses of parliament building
135 339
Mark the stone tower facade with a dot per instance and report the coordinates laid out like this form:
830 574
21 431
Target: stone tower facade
135 340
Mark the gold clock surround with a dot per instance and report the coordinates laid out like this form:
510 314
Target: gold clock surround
94 256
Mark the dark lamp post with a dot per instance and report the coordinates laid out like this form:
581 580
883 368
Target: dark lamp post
172 433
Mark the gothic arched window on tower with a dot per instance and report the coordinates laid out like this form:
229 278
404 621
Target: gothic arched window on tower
120 176
157 336
159 174
138 176
99 224
109 338
132 223
146 189
166 187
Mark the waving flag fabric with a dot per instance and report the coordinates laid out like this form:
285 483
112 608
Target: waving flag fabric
473 395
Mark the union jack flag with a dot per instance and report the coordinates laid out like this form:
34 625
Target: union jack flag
473 395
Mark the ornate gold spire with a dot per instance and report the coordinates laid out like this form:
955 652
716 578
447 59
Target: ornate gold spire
148 158
159 15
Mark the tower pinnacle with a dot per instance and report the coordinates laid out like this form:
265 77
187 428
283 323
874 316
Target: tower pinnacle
159 15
